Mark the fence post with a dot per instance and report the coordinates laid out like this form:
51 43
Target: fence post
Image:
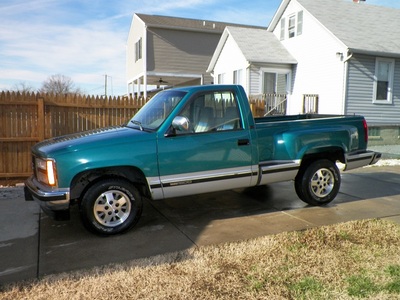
40 121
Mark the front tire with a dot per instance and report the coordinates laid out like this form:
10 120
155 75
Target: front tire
111 206
318 183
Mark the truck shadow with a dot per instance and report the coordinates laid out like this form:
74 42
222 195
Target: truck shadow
180 224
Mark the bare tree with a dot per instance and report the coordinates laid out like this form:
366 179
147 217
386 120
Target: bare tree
23 87
59 84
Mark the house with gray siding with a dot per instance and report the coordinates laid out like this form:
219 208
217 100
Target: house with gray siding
347 54
167 51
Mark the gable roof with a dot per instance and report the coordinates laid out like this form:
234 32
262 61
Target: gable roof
362 27
257 46
186 24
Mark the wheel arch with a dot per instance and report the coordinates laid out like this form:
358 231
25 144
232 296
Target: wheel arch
333 154
82 181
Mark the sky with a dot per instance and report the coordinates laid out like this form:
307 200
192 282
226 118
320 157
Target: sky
86 39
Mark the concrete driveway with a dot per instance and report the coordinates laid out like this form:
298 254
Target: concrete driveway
32 245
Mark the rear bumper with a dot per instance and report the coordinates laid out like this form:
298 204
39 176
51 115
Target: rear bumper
361 159
54 202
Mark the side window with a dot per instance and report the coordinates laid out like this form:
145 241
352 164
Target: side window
383 81
237 76
214 111
138 50
292 26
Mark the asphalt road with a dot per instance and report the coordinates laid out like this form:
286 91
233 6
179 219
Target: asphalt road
33 245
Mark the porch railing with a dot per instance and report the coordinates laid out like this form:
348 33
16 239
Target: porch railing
310 103
268 104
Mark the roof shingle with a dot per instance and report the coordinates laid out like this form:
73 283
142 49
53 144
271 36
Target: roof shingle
361 27
259 45
187 24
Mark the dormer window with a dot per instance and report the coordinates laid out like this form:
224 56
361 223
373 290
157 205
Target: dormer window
294 26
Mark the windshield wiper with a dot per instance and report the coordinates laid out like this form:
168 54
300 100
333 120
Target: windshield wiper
138 124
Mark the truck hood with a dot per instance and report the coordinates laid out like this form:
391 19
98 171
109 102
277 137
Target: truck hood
94 139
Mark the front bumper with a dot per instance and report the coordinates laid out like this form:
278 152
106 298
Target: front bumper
362 159
54 202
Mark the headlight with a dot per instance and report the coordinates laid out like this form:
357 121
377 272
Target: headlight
46 171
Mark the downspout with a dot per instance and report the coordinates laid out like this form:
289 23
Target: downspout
345 80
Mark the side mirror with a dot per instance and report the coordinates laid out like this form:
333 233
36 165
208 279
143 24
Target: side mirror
180 124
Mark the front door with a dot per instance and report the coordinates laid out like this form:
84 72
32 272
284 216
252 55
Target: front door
213 153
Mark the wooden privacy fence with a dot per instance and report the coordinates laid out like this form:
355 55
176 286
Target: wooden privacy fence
28 118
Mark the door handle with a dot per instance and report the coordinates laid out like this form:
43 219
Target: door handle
243 142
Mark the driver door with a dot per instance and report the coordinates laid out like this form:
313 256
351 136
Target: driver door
213 153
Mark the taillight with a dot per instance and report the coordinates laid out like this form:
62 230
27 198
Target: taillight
365 130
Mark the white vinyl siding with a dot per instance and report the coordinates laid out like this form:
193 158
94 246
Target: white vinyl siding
134 67
318 70
231 65
255 81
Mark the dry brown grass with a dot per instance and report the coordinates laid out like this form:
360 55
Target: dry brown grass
320 263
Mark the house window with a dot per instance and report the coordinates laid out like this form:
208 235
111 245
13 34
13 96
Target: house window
138 50
269 83
221 78
237 77
374 131
275 82
292 26
383 81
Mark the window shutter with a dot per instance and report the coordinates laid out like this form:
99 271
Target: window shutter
300 23
282 29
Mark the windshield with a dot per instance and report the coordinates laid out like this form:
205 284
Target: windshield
153 114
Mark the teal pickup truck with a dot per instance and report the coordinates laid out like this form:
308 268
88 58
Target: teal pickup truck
187 141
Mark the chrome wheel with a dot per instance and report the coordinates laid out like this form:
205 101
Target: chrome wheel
318 182
322 182
112 208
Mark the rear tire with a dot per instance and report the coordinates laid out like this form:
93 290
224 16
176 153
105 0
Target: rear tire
111 206
318 183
